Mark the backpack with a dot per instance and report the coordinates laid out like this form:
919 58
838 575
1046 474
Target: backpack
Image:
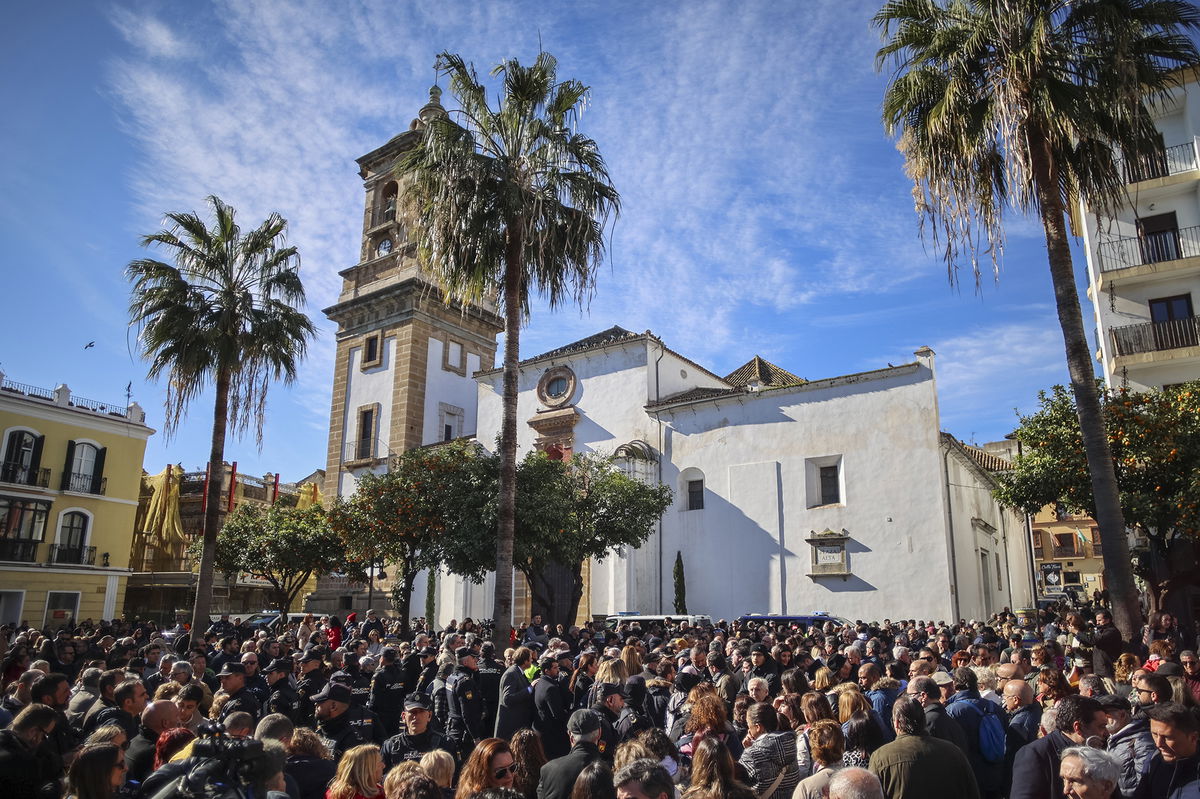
992 742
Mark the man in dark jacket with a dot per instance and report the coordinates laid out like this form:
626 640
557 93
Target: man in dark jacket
918 765
333 720
1035 769
233 682
388 689
54 691
129 701
488 678
417 736
968 708
550 703
464 703
937 722
559 775
25 771
156 718
283 698
1129 740
516 709
1024 716
765 667
610 701
1105 641
1175 770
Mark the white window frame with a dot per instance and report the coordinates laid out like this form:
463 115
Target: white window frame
87 536
46 605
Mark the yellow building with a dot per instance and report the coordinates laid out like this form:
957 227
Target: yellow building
70 474
1066 548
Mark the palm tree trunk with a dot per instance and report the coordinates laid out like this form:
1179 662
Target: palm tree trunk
212 514
503 601
1113 543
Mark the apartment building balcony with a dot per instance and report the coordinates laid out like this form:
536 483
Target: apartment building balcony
1160 255
72 556
1176 341
19 474
1169 162
18 551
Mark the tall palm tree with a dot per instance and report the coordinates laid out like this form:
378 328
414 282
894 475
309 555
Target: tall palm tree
1027 105
511 201
225 312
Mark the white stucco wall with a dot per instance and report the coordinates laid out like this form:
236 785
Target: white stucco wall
373 386
451 388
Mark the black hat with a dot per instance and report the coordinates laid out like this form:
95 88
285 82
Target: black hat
279 664
760 649
335 691
607 689
464 652
836 662
1170 670
389 654
428 652
232 668
582 722
310 656
416 701
686 681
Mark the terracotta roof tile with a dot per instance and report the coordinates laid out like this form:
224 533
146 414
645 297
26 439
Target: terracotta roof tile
762 372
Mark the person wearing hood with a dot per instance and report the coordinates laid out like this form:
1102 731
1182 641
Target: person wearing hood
659 692
769 756
1129 740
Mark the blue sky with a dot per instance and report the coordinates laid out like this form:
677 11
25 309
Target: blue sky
764 210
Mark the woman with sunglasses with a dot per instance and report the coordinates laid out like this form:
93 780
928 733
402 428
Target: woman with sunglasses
491 765
96 772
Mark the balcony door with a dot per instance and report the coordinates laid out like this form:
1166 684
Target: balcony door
1174 322
1158 237
21 455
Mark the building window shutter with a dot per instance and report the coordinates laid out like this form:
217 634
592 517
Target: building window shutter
68 465
35 462
98 470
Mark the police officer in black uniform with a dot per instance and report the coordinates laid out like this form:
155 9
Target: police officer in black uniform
233 682
334 725
388 689
284 698
352 676
487 677
417 736
255 682
312 682
465 703
428 668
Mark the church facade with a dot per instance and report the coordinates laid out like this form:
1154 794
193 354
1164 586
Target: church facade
791 495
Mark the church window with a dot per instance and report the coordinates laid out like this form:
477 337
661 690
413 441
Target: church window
831 493
557 387
824 481
450 421
695 489
372 351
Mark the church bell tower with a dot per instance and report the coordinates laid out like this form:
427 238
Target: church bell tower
405 358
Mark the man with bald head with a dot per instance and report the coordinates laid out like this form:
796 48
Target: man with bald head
1024 716
855 783
156 718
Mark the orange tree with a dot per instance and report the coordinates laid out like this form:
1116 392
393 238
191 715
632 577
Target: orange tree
396 518
1154 438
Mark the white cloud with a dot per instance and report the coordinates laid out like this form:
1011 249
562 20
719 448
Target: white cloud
149 35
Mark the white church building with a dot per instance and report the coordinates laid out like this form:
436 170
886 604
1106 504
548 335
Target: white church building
791 495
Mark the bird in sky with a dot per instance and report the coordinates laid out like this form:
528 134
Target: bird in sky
89 345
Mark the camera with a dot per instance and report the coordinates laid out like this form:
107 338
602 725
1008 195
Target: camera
221 768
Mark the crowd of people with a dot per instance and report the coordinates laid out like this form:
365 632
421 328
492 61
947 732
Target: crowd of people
362 709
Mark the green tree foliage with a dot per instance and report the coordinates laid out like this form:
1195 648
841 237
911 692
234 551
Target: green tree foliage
1027 106
398 517
567 512
226 311
283 546
680 584
1154 437
509 201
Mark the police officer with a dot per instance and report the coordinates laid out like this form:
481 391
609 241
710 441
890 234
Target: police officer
416 736
427 670
487 677
255 682
283 698
465 703
334 721
351 676
388 690
233 682
312 682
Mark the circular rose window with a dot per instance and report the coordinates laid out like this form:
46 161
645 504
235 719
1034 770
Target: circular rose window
556 387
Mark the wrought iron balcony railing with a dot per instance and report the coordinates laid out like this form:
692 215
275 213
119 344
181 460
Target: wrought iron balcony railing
1150 248
1156 336
1171 161
75 556
83 483
18 551
24 475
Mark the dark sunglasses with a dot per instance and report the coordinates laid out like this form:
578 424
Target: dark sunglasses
500 773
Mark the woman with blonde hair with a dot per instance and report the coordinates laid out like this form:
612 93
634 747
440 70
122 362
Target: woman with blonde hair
822 680
1125 666
305 630
632 659
851 702
814 707
491 765
359 774
439 765
713 775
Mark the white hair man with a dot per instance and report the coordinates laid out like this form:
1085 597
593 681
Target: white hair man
855 783
1088 773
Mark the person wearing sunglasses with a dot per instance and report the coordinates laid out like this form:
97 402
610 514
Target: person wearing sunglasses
490 766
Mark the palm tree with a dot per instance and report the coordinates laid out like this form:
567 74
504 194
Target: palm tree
1025 104
226 313
510 202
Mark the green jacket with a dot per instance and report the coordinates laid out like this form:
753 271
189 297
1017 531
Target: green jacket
920 767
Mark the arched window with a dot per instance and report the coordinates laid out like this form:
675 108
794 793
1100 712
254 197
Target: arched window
83 471
22 456
692 488
72 539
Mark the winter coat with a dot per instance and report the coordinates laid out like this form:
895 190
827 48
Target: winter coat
1133 748
923 767
766 757
1178 780
24 772
658 694
516 710
967 708
1035 769
312 774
